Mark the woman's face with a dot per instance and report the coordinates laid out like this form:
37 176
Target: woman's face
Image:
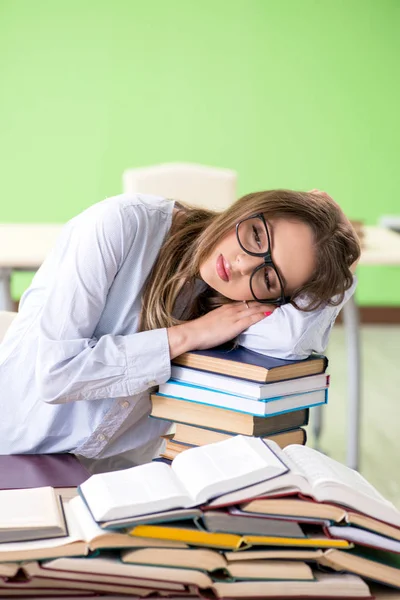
228 269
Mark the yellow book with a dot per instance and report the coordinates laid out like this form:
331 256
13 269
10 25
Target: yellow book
231 541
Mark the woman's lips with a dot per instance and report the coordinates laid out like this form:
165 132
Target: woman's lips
222 269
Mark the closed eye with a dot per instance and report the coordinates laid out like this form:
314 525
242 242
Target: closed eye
256 236
267 280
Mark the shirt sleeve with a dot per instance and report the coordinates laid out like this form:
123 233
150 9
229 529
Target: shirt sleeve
292 334
71 363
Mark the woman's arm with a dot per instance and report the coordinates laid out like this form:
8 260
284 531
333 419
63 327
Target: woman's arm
71 363
292 334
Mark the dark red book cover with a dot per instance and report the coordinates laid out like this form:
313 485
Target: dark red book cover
38 470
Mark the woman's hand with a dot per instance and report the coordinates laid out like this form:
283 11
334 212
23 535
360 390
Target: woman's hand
216 327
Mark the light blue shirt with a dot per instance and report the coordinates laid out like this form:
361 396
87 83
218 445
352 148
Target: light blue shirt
74 371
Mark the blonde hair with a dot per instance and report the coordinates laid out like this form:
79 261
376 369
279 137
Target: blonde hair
195 232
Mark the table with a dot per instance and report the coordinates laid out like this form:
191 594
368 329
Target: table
25 246
382 248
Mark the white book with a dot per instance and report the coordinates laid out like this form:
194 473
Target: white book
260 408
313 474
364 537
249 389
29 514
194 477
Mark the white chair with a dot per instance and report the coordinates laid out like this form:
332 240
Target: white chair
6 318
209 187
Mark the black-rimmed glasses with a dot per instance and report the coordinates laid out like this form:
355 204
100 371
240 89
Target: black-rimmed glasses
254 239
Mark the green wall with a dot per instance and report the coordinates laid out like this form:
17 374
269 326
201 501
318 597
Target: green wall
295 93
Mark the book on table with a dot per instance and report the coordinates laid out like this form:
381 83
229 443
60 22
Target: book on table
29 514
83 536
246 364
242 404
25 585
209 560
383 567
213 417
246 388
221 474
109 574
194 536
306 510
320 477
221 521
372 533
195 477
106 573
174 447
324 585
109 567
200 436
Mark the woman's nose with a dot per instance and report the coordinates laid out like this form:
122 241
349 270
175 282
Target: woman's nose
246 263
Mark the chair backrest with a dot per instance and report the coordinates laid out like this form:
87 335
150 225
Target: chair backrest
200 185
6 318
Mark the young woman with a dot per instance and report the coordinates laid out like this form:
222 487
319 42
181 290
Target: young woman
135 281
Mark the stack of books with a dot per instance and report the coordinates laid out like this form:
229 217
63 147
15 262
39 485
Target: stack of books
239 518
215 394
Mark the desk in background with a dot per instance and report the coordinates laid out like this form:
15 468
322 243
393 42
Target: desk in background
381 247
23 247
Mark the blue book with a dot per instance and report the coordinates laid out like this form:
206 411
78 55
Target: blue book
257 408
246 364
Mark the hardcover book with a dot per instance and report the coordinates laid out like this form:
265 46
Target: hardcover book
247 364
221 419
200 436
259 408
173 447
249 389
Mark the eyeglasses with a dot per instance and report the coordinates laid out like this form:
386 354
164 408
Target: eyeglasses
254 239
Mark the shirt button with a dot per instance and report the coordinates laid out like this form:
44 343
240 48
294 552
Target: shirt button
101 437
124 404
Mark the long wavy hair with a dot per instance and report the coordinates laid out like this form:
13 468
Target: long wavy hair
195 232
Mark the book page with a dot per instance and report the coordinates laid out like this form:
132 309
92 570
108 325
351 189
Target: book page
215 469
131 492
320 469
364 537
81 515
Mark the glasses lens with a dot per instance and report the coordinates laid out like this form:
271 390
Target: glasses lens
265 285
253 236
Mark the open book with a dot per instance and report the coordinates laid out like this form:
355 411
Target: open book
324 479
83 536
195 477
304 511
